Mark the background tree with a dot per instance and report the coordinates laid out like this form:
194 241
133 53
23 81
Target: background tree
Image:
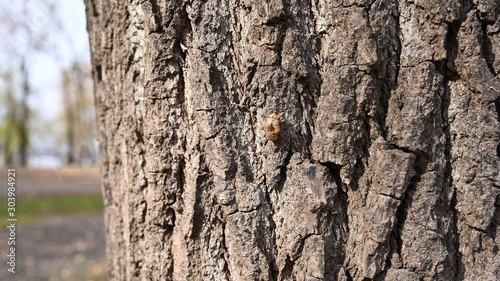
21 19
9 117
14 133
78 114
386 167
22 126
36 30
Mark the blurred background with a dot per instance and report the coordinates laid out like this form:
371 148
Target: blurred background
48 134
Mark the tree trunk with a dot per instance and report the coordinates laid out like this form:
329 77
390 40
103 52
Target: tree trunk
24 116
9 135
68 100
387 162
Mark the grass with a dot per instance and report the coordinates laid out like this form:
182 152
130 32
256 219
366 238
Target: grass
31 209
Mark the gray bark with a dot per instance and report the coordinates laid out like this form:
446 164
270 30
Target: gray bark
387 163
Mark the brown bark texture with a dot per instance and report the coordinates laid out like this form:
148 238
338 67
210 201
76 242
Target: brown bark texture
387 162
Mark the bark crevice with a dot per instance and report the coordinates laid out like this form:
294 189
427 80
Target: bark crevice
419 168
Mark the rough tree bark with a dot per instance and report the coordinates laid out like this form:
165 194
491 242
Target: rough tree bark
387 166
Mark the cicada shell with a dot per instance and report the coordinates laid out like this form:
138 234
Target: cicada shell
272 127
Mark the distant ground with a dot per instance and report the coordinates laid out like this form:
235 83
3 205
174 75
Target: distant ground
65 180
63 241
59 248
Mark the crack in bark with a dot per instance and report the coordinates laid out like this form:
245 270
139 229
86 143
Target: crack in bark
332 221
335 172
287 270
225 254
213 136
486 46
390 196
497 108
450 74
272 225
386 71
419 167
459 266
491 229
282 23
202 181
283 169
154 9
